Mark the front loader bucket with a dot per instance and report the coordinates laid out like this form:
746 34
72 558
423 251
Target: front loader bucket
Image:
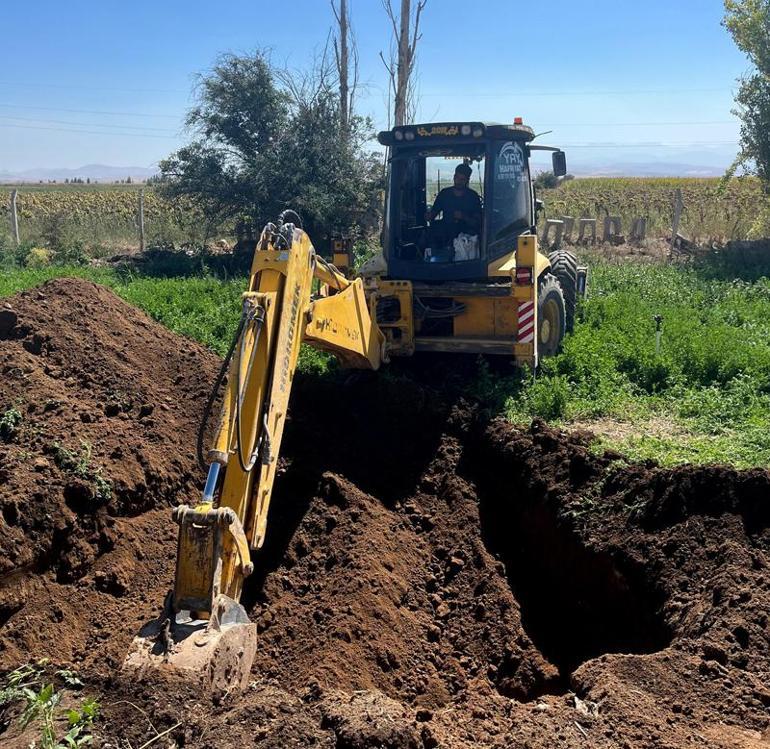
213 656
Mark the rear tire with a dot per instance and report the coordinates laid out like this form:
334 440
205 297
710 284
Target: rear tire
551 316
564 266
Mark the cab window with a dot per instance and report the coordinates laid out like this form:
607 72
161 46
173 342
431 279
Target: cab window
433 222
511 207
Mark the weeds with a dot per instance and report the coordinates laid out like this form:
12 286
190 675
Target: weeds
10 420
39 700
79 464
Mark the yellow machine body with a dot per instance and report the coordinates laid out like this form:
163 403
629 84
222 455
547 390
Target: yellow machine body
489 322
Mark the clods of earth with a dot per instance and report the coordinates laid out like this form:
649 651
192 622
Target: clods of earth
432 577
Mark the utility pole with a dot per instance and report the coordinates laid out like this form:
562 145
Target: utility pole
402 82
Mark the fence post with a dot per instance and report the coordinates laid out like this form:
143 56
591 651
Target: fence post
141 220
677 217
15 217
558 229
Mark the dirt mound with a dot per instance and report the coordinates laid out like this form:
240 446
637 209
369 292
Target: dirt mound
99 407
430 578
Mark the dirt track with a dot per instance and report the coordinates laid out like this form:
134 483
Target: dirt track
430 578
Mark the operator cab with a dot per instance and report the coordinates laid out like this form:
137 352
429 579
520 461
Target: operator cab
419 244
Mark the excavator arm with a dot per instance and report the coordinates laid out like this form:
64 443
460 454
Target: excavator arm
279 313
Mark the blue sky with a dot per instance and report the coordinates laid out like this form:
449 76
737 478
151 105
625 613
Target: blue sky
106 82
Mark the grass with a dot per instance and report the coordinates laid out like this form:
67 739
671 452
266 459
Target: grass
204 308
704 397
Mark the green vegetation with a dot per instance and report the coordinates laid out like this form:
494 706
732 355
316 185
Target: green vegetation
749 23
68 224
266 139
79 464
97 220
30 689
203 308
705 397
714 210
9 423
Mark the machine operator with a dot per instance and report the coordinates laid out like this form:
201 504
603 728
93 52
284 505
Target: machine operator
460 207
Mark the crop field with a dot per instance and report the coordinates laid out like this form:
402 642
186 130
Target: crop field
702 398
711 211
101 218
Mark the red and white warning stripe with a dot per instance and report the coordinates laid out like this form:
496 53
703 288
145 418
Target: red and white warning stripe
526 322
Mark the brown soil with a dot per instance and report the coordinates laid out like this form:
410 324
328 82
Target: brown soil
430 579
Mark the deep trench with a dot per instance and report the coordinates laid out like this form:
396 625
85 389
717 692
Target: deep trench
577 603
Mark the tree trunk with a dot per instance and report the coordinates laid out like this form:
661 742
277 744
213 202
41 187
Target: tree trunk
344 57
404 64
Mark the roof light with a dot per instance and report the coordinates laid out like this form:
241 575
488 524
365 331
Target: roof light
478 132
409 134
465 130
518 121
399 135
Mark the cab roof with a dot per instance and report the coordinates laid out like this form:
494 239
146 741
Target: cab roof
450 131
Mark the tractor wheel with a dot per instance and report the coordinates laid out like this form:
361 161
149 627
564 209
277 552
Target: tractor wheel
551 316
564 267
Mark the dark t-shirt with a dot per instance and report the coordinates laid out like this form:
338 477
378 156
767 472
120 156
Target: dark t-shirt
469 203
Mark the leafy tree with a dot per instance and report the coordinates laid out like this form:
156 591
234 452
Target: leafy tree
749 23
266 140
546 180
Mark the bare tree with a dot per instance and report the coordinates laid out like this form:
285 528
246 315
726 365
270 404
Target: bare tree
406 34
304 87
345 54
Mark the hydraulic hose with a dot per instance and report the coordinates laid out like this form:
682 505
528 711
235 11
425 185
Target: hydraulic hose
258 317
215 391
246 465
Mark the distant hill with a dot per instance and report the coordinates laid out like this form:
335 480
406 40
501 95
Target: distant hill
587 168
98 172
661 169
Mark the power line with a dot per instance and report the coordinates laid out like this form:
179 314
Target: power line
89 111
634 124
618 92
87 132
95 88
585 92
88 124
651 145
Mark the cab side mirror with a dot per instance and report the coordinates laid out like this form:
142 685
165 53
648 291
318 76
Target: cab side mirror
559 159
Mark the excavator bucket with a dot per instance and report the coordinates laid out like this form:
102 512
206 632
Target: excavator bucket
214 651
214 656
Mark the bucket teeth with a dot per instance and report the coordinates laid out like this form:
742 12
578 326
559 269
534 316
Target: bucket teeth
214 656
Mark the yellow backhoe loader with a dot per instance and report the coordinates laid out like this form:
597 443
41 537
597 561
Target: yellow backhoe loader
470 281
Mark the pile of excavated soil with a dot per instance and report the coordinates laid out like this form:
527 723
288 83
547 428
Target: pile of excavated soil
430 578
100 406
